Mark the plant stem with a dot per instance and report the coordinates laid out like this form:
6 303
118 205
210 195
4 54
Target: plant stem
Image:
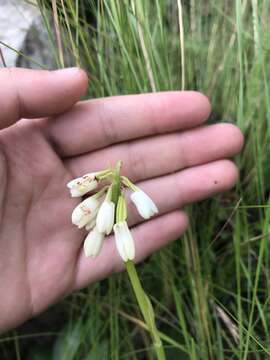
146 309
116 184
142 299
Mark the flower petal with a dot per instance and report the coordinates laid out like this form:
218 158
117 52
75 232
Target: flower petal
105 217
82 185
93 243
144 204
124 241
85 211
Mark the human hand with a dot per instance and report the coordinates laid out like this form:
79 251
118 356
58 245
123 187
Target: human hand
163 147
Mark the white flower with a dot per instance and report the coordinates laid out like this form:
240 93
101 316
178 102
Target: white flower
105 217
93 243
124 241
144 204
82 185
90 225
85 212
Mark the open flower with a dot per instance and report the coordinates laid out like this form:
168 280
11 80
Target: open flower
85 212
144 204
82 185
93 243
124 241
105 217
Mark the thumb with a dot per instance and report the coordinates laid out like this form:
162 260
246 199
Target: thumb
38 93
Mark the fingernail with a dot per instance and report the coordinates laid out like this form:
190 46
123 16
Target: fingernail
71 71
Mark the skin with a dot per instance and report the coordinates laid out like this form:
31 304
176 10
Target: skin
45 141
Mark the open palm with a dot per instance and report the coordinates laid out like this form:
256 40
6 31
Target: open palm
164 148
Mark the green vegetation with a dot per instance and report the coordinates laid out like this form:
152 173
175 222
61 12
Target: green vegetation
210 289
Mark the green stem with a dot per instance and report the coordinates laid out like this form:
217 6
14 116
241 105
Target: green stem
146 309
116 184
129 184
142 299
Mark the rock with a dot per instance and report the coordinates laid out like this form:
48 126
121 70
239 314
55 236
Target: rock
37 47
22 28
16 17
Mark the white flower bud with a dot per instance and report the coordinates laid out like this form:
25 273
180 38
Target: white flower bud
82 185
85 212
93 243
124 241
144 204
90 225
105 217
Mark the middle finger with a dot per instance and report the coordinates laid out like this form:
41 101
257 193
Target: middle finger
161 155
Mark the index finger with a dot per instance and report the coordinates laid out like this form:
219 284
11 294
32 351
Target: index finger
98 123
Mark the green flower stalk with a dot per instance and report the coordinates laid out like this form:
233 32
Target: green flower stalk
106 210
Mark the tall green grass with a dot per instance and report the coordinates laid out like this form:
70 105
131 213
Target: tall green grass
211 288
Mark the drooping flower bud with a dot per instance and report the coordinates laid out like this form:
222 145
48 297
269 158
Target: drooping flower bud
144 204
124 241
93 243
85 212
90 225
82 185
105 217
